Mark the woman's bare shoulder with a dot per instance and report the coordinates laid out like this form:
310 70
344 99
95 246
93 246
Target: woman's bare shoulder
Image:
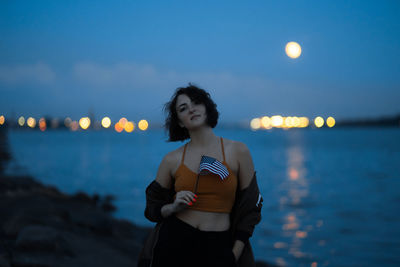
245 162
172 157
168 167
235 147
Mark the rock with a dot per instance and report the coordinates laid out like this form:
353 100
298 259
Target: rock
83 197
4 260
42 238
36 259
5 155
40 226
23 183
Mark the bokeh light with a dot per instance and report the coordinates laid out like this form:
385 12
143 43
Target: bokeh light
42 124
288 122
84 123
277 121
319 122
67 122
293 174
123 121
74 125
266 122
301 234
129 127
304 122
280 245
21 121
31 122
296 122
118 127
2 120
143 125
255 124
106 122
330 121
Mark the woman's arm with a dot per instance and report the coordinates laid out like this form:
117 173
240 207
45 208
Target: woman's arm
164 178
159 192
164 172
246 166
245 174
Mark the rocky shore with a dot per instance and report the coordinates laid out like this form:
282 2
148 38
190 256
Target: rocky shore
41 226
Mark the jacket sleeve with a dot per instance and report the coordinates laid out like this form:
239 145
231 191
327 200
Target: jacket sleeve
156 197
247 211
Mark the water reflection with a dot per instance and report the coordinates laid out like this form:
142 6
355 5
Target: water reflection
295 190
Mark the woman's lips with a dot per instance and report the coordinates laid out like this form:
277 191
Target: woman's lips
195 116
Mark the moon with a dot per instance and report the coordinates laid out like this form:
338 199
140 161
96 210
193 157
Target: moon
293 50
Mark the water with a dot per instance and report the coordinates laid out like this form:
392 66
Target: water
331 196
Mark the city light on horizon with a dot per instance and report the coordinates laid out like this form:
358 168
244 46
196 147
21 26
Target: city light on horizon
21 121
106 122
319 122
129 126
143 125
279 121
123 124
330 121
84 123
31 122
42 124
118 127
255 124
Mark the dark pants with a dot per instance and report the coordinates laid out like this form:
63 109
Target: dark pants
180 244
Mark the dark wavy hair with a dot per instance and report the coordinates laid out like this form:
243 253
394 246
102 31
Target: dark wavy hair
196 94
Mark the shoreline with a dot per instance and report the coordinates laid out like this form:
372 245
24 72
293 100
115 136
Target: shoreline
41 226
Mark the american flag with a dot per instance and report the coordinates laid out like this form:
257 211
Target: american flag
212 165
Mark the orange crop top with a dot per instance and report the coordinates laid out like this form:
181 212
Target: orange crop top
214 194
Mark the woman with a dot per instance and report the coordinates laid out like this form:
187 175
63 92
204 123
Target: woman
202 219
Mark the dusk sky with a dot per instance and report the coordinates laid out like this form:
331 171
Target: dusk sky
126 58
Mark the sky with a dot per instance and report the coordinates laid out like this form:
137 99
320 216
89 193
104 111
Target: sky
126 58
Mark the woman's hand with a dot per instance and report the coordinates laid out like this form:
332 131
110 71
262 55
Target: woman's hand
237 249
183 199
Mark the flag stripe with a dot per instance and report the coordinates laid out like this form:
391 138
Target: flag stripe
209 164
221 173
215 168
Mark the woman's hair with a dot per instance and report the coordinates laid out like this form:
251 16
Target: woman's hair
196 94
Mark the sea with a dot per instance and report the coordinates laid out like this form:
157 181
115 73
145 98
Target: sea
331 195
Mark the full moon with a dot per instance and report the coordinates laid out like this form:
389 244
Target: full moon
293 50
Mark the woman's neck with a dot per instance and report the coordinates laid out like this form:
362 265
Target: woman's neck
202 137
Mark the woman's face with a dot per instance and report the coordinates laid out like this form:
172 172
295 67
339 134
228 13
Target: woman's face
190 114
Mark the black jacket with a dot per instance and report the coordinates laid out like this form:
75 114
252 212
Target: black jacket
245 215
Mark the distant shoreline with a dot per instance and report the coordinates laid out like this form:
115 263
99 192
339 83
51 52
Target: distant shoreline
383 121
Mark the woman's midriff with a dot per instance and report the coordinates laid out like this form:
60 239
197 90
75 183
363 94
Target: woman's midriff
204 220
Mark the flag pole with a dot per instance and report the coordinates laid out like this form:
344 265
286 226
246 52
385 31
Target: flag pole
197 183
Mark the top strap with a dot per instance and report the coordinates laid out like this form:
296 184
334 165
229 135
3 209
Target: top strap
183 154
223 150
